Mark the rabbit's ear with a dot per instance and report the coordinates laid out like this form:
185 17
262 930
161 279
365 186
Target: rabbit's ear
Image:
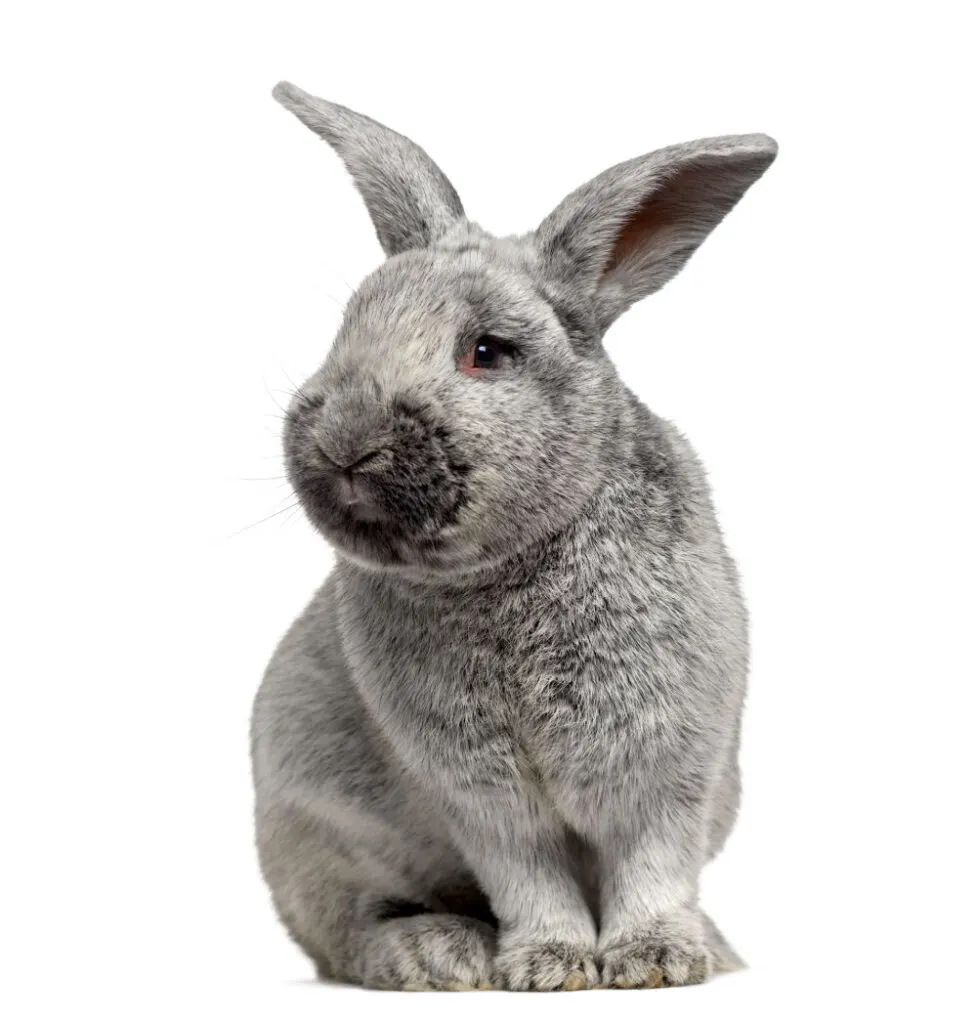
408 197
627 232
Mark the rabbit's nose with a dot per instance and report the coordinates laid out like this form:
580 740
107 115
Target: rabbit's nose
371 460
352 426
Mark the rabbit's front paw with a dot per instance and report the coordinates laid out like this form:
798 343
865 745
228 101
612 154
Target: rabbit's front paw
660 958
545 967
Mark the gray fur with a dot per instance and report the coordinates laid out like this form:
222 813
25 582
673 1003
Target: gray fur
406 193
501 743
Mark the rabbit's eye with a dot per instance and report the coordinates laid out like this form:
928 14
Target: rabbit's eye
485 354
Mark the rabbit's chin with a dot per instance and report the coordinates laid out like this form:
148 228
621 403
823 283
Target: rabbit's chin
380 544
377 547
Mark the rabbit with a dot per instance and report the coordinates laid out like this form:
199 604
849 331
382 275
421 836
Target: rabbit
500 744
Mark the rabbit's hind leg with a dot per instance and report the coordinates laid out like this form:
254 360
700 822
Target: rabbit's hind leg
363 916
395 944
428 951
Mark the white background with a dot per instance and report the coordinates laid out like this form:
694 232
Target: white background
176 249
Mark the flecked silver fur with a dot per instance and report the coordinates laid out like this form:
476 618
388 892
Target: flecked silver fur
501 743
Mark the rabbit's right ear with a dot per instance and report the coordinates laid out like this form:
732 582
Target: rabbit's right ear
409 199
627 232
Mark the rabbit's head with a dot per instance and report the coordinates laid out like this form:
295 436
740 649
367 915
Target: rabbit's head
467 407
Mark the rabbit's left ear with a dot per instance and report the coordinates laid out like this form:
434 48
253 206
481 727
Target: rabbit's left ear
627 232
409 198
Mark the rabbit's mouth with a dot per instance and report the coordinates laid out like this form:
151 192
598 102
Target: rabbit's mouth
386 498
357 483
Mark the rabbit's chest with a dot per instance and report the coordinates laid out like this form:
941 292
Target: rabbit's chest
596 676
567 684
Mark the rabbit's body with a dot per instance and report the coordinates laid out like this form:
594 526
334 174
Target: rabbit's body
498 747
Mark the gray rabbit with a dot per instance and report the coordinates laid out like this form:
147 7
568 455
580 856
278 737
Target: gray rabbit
500 744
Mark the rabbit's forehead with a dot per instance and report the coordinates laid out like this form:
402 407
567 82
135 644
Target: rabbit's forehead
424 301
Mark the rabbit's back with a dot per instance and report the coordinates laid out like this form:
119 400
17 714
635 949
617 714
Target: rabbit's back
315 744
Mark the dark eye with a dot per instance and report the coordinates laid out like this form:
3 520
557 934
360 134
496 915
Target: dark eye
486 354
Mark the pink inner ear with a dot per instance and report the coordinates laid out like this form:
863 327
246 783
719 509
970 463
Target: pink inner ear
674 203
661 210
651 217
